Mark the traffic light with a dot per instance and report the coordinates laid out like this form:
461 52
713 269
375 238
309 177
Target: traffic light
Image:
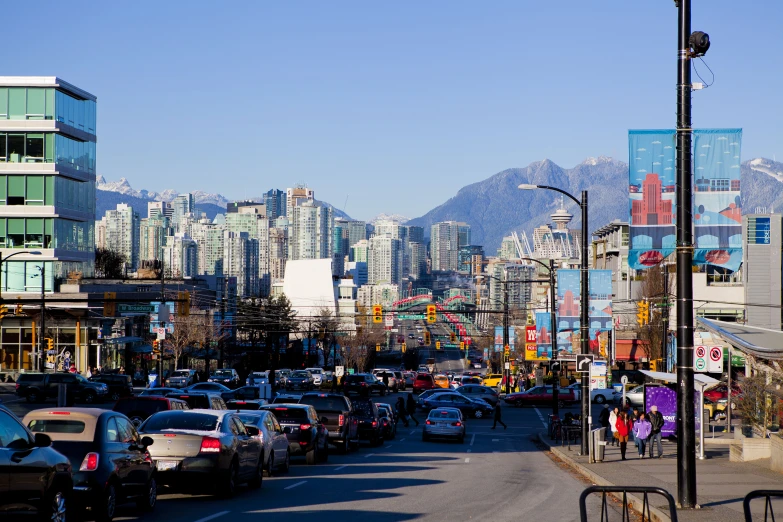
462 345
432 314
18 310
3 311
654 365
49 344
184 303
437 345
377 314
109 304
453 337
378 347
643 313
404 347
427 338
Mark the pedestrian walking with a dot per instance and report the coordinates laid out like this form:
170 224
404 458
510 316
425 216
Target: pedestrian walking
603 419
410 406
386 380
401 413
624 426
656 422
497 417
641 432
334 383
613 425
634 416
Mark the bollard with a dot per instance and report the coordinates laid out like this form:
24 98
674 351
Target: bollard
62 399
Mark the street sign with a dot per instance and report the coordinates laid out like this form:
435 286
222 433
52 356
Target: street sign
389 319
339 371
135 308
700 358
411 317
554 366
583 362
624 380
508 366
715 362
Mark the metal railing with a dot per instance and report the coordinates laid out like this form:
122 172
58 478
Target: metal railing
621 493
767 495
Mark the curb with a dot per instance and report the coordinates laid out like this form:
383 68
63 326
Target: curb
635 502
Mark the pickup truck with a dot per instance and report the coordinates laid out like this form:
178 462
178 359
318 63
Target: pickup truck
37 387
340 418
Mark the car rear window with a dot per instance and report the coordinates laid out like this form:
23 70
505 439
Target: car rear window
325 403
443 414
427 378
363 408
354 378
56 426
255 420
181 421
290 413
285 400
243 405
195 401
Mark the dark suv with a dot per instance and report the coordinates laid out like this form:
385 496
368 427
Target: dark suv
364 384
336 412
119 385
41 386
137 409
306 434
369 418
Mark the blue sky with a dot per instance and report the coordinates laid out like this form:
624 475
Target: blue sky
393 105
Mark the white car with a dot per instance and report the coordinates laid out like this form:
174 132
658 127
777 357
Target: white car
604 395
318 375
635 396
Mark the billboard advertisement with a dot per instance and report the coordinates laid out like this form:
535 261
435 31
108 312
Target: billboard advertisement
651 190
568 308
543 337
717 208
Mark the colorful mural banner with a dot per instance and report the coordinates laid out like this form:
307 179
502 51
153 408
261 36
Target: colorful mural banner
568 308
717 208
543 337
651 187
498 338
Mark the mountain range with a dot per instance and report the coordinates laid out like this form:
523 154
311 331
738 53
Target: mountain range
495 207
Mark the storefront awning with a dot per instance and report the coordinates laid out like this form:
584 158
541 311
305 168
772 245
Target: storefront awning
759 342
122 340
140 348
706 380
630 349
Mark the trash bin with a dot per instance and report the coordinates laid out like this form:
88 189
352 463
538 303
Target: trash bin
597 444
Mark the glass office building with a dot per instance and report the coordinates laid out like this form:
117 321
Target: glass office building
47 182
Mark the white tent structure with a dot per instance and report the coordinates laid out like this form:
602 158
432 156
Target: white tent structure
309 286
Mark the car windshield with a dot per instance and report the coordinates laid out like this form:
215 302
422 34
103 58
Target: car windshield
176 420
181 373
299 374
223 373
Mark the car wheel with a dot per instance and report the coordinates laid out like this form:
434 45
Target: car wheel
136 421
461 439
345 447
478 414
312 456
107 505
229 486
600 399
32 396
89 398
55 508
115 396
354 445
147 501
270 466
258 478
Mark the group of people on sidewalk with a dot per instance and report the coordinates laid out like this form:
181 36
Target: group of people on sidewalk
642 428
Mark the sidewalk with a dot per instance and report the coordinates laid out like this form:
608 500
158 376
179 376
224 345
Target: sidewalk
720 485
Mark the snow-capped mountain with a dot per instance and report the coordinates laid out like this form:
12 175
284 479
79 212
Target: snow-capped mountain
122 186
399 218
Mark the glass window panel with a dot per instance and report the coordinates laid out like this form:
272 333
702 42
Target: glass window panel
36 104
16 225
49 191
16 186
3 103
15 148
34 153
35 189
34 233
16 103
58 105
3 151
48 224
49 148
15 236
3 181
2 232
49 111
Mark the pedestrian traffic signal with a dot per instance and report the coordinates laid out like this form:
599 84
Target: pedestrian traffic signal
378 347
377 314
437 345
654 365
643 313
18 310
3 311
432 314
155 346
453 337
427 338
404 347
462 345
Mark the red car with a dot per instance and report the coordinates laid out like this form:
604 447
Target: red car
540 396
721 391
424 381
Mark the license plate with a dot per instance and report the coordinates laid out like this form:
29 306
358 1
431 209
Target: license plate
166 465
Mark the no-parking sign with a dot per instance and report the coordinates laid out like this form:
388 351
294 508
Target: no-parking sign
700 358
715 360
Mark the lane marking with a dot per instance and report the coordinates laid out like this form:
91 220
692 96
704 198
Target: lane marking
402 440
495 440
387 447
473 439
210 517
413 431
540 416
341 467
369 455
467 460
292 486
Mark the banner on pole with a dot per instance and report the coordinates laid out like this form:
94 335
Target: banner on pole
717 208
651 187
543 337
568 306
498 339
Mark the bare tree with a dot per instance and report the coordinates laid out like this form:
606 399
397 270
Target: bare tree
756 405
359 350
187 332
657 288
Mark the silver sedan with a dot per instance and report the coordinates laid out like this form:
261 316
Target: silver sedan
445 423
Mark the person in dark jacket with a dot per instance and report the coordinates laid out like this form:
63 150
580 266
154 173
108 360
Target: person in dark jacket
656 422
401 413
334 383
497 417
410 406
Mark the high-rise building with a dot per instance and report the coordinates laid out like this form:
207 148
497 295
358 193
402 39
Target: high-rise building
159 208
417 254
296 196
275 202
152 237
47 181
445 243
180 256
278 251
415 234
467 256
119 232
508 249
236 206
182 206
360 251
384 261
310 231
254 221
240 259
209 236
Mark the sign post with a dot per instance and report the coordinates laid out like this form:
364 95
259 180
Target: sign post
715 362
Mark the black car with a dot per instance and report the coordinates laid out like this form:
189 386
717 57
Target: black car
119 385
200 400
469 407
388 421
244 393
300 380
137 409
226 377
36 476
336 411
37 387
112 460
363 384
370 426
306 433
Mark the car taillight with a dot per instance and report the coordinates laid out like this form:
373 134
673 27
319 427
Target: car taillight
342 420
305 426
90 462
374 423
210 445
17 385
428 421
458 423
364 384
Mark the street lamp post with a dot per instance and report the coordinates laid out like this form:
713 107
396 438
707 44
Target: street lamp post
584 327
9 256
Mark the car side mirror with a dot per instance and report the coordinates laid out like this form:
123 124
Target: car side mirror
287 430
42 440
253 431
147 441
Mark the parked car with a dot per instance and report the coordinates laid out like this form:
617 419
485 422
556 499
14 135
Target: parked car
204 450
388 424
200 400
635 396
300 380
37 387
424 381
469 407
367 414
277 457
306 433
114 466
227 377
540 396
380 373
605 395
576 388
318 375
363 384
211 387
46 487
182 378
137 409
476 391
119 385
336 413
444 423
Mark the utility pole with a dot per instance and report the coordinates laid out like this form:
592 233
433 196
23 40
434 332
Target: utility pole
665 318
506 372
553 333
686 435
161 324
42 358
